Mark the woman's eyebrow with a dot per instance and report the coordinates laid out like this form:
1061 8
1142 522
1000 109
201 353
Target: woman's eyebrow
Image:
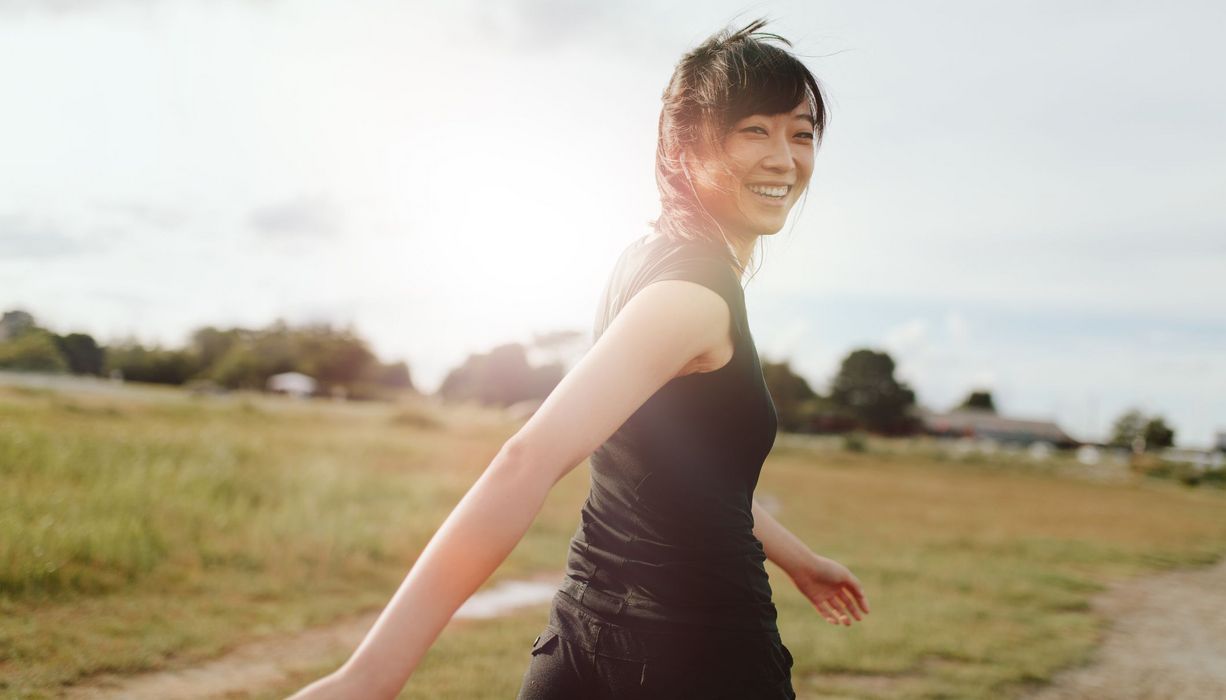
807 117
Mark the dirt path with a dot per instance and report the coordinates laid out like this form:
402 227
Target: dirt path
1167 639
267 663
256 665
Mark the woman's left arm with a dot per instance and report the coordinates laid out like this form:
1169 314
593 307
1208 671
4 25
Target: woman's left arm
835 592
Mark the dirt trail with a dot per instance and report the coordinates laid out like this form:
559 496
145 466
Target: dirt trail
256 665
1166 640
267 663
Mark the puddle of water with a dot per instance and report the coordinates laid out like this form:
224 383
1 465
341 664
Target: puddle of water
507 596
770 503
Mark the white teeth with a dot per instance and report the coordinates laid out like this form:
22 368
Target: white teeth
780 191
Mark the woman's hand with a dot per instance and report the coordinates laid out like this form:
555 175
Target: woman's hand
832 588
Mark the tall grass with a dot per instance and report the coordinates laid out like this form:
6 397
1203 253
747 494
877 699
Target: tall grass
137 529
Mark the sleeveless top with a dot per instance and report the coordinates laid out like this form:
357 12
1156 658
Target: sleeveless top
667 529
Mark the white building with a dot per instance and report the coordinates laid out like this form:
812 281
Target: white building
295 384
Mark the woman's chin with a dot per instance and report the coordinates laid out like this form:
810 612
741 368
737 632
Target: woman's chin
770 228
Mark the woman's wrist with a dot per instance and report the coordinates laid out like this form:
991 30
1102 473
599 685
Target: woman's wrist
805 565
334 686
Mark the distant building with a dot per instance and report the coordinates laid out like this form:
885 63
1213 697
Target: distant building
1219 441
293 383
1203 460
987 424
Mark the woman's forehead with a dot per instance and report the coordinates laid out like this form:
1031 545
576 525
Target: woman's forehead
802 111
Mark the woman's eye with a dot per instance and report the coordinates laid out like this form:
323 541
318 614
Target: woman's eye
754 128
805 135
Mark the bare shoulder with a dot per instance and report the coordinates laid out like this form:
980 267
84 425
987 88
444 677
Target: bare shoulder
670 327
704 312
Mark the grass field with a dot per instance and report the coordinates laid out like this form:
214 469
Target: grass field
143 528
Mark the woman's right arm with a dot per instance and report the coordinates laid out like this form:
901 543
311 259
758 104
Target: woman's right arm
661 329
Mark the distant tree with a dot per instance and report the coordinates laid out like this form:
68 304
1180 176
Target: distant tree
211 344
980 399
505 375
794 399
15 323
82 352
156 365
866 387
543 379
339 360
256 356
381 381
500 377
1128 427
395 375
34 350
1158 434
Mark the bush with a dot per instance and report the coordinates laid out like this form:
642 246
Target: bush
855 441
35 351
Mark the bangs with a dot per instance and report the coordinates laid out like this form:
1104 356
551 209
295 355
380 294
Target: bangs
764 79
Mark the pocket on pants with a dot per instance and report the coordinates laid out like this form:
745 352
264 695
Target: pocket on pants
544 642
554 671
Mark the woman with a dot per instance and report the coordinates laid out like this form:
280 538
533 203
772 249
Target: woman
665 593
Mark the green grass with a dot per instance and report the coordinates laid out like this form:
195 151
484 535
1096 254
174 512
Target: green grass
145 529
149 530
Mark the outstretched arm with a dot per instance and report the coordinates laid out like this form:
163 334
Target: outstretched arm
478 535
666 325
835 592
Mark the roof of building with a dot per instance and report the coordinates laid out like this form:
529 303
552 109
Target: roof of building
990 424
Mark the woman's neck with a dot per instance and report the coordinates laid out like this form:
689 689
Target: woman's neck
743 247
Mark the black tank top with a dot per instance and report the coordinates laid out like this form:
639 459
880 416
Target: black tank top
667 529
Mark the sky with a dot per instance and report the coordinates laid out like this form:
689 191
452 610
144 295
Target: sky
1023 197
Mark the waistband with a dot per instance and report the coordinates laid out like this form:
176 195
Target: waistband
599 633
637 614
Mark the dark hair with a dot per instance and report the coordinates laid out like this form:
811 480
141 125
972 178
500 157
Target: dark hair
726 78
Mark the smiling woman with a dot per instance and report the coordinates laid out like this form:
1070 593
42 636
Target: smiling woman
769 159
666 592
738 115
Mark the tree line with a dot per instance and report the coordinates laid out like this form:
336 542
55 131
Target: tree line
864 393
231 358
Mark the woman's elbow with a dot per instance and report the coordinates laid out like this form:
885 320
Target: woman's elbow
528 458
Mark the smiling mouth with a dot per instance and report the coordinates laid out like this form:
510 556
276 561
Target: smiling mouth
770 193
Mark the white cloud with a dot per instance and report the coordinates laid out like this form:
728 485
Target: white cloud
26 238
304 216
910 337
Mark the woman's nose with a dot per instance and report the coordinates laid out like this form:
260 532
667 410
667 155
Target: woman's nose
779 156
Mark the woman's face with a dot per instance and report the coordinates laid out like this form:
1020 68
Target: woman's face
770 157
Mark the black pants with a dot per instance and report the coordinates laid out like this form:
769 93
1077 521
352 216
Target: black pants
583 654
